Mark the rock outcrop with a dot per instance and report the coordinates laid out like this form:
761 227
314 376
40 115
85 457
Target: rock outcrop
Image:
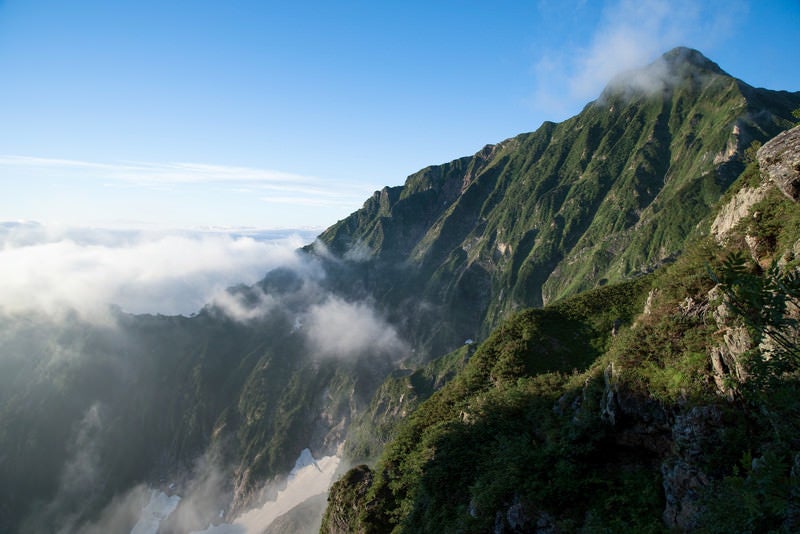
779 160
736 209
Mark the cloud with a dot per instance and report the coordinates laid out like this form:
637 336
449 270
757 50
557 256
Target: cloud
121 513
339 328
243 307
309 478
292 188
323 200
79 481
203 496
630 34
145 510
161 173
56 270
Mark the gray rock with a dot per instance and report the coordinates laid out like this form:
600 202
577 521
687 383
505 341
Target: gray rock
683 486
779 161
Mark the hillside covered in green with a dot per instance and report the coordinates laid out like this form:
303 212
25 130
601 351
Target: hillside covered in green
602 197
666 403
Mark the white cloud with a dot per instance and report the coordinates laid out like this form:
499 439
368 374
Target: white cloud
55 270
306 201
272 186
240 308
305 481
342 329
174 173
631 34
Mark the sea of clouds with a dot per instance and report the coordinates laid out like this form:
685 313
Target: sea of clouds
86 270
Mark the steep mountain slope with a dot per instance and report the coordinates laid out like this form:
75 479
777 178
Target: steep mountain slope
87 411
610 193
685 419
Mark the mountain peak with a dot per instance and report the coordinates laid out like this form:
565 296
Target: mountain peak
675 68
682 57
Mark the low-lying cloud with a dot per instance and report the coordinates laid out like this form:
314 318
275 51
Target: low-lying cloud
56 270
339 328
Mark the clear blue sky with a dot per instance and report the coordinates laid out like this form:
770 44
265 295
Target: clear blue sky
289 114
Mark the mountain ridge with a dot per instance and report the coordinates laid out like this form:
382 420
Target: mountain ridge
572 205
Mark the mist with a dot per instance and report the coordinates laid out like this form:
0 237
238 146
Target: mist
100 391
56 270
630 34
339 328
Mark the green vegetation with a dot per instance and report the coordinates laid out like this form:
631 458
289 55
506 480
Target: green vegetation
600 198
556 423
495 435
399 395
515 440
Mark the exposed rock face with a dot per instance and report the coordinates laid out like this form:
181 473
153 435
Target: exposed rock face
779 160
736 210
725 358
683 484
679 441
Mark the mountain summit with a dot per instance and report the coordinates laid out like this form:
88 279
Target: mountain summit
679 66
603 196
663 403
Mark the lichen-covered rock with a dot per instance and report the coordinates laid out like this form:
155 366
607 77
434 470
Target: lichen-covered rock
694 434
697 431
726 362
779 161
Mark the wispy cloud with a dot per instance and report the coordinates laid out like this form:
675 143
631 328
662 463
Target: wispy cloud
198 181
326 200
631 34
162 173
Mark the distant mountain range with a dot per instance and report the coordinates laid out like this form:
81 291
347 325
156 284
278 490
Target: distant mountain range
478 335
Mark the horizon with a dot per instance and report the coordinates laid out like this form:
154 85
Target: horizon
153 156
280 117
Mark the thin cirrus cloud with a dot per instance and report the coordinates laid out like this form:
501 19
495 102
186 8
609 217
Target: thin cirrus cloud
144 172
270 186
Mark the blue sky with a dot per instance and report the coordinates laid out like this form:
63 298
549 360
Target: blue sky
289 114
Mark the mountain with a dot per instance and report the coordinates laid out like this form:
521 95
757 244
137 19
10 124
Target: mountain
478 299
212 406
666 403
604 196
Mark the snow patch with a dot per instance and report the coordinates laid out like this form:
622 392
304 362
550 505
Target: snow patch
157 510
309 477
